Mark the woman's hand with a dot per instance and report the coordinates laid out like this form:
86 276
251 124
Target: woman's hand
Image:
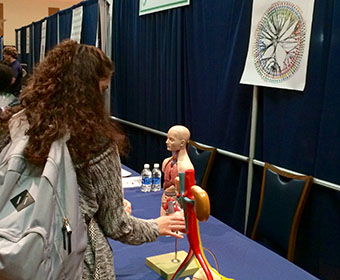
171 224
127 206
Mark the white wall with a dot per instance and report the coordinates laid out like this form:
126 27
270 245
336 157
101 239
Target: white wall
18 13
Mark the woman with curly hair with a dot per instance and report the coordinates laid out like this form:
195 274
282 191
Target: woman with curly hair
65 95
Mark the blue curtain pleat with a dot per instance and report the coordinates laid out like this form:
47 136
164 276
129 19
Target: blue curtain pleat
90 22
22 55
37 40
51 32
65 22
327 150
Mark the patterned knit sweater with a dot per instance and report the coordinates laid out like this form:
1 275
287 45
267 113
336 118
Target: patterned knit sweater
101 197
101 202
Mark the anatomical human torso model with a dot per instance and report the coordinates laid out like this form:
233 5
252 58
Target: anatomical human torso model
181 193
178 137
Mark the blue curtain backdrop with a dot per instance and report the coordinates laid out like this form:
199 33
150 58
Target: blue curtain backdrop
51 32
22 55
88 36
26 54
30 56
90 22
183 66
65 21
89 26
159 60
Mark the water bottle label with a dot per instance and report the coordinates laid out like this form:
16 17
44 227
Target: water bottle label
156 181
146 181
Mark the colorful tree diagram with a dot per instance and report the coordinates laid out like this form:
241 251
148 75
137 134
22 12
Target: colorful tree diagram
279 42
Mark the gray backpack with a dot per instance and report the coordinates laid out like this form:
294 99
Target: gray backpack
42 233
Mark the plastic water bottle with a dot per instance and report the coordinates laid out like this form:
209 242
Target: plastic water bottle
146 178
156 178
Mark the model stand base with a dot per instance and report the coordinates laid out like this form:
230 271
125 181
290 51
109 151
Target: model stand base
166 268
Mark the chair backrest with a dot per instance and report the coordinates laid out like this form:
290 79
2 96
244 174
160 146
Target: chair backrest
202 158
283 196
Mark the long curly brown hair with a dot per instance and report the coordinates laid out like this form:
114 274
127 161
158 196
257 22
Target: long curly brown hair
63 95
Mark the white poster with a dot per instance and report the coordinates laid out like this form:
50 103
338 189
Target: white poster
77 22
28 40
103 25
279 44
19 41
152 6
43 40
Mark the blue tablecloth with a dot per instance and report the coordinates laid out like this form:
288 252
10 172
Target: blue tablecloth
238 257
133 173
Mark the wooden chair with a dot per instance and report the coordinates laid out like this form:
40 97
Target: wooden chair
283 196
202 158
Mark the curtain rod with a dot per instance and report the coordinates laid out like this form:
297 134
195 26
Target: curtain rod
230 154
154 131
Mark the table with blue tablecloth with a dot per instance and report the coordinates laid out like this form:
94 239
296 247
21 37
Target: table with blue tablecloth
237 256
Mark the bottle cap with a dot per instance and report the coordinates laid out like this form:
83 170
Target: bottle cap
156 165
146 165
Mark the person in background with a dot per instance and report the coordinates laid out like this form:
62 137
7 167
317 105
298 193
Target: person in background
65 94
10 55
6 76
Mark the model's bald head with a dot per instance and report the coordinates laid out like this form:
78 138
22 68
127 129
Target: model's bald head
178 137
181 131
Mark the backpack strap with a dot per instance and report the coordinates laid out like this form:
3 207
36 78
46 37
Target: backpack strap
18 125
57 156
